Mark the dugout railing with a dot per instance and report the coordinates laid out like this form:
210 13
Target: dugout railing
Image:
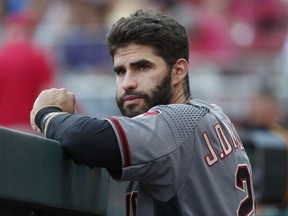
37 178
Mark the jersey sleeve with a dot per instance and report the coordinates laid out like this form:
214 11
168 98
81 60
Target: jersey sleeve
87 140
150 144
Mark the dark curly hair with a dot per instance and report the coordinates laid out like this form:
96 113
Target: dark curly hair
168 38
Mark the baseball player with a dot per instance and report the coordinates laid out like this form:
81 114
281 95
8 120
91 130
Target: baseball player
182 156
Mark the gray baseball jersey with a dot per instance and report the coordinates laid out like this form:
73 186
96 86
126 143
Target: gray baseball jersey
184 159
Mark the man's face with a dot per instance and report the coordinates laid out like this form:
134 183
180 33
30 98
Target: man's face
142 79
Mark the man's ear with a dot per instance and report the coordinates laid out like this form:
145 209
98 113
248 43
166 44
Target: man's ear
180 71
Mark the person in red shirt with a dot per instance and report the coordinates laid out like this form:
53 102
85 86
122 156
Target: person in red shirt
24 71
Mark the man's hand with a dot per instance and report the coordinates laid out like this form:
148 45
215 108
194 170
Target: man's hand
53 97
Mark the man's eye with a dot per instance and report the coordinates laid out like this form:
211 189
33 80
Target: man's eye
143 67
120 72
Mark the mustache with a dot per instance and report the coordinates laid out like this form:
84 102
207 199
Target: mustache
129 92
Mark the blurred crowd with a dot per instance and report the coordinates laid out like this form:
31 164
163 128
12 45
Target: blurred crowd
239 55
237 47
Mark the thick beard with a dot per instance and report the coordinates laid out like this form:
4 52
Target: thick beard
160 95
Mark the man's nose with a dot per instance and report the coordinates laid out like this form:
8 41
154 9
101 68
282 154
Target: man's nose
130 81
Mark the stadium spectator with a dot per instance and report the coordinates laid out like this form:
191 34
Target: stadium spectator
82 47
265 21
208 29
24 70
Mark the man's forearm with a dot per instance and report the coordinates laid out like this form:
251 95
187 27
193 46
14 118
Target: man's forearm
90 141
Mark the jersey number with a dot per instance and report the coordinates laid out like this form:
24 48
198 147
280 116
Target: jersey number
243 183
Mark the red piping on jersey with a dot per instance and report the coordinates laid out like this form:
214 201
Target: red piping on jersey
124 141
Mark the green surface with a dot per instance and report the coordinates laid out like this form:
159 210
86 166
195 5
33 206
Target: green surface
35 170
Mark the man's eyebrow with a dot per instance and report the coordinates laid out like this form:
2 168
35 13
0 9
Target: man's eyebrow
140 62
133 64
119 68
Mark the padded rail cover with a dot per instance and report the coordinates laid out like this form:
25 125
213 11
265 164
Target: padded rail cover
36 172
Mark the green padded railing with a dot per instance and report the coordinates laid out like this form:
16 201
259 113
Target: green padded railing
34 171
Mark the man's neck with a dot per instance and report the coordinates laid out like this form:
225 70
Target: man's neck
180 98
